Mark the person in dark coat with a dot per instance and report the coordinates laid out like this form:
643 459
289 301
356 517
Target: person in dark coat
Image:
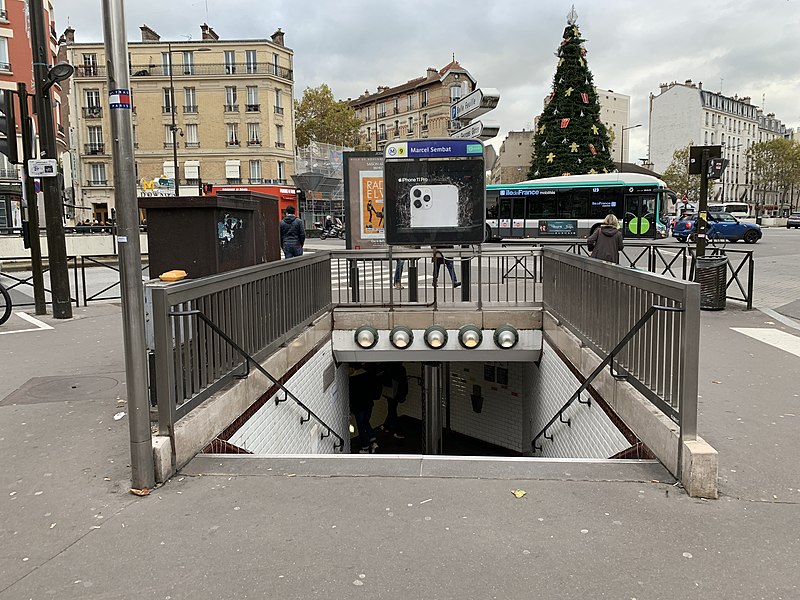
293 234
365 388
606 241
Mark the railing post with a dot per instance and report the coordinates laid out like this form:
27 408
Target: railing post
165 377
413 283
689 363
750 272
465 277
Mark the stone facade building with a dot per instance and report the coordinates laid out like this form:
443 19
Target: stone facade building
685 113
419 108
233 114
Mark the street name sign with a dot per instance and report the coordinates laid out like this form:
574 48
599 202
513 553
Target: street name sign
478 130
475 104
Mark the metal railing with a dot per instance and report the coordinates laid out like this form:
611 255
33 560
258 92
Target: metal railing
600 303
607 361
250 360
207 69
92 112
259 308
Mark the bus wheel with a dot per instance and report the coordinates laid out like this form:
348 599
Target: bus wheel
487 234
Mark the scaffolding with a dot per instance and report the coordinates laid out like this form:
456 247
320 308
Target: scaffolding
318 172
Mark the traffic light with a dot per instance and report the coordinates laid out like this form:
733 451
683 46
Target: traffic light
8 126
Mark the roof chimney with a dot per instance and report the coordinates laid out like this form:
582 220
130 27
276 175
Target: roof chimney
69 35
277 37
688 82
148 35
208 33
432 72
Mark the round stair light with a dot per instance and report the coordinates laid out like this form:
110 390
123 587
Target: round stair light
470 336
401 337
435 337
366 337
506 337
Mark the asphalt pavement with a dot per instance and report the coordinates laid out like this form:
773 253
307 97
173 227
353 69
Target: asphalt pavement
228 529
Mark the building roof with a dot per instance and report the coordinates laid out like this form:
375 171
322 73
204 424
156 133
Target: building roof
432 76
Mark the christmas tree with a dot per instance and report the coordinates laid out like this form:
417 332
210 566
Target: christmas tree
570 138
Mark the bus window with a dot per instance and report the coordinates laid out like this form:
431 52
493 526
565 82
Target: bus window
491 206
519 208
505 208
542 206
573 204
603 202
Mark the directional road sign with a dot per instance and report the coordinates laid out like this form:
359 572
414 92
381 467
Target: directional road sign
482 130
475 104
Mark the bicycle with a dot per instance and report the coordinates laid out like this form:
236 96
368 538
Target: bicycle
5 304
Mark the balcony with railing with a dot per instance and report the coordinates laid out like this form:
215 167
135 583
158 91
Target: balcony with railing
252 108
89 71
97 183
280 144
231 108
94 149
190 108
253 142
92 112
232 144
192 144
278 110
166 110
220 69
382 137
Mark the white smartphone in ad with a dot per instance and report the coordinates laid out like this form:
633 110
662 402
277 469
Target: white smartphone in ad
434 206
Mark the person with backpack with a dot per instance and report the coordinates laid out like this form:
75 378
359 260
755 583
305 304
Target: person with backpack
293 234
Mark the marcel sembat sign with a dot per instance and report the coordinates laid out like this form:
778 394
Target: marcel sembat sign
434 192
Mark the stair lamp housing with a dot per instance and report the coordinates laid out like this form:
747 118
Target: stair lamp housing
506 337
366 337
470 336
401 337
435 337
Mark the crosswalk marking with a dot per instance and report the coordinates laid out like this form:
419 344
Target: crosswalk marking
774 337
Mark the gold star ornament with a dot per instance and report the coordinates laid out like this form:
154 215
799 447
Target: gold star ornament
595 129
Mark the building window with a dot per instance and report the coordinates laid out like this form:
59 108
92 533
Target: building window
396 105
275 63
230 99
455 93
410 125
89 64
423 98
168 101
95 137
255 171
281 170
166 63
189 100
410 103
396 128
253 134
97 174
230 62
192 141
4 64
167 136
424 121
279 143
382 132
252 99
188 63
251 64
381 110
233 135
3 11
278 102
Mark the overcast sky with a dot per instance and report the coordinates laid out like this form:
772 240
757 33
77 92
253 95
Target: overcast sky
745 47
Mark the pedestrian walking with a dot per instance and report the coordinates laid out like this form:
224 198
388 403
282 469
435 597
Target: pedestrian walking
293 234
438 260
365 388
606 241
396 379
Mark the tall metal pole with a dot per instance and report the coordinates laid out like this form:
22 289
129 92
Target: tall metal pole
702 223
37 275
130 259
174 127
53 206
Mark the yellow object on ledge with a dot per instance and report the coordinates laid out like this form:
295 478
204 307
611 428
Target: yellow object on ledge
174 275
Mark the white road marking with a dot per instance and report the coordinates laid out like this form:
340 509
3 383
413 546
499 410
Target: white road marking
33 321
779 317
774 337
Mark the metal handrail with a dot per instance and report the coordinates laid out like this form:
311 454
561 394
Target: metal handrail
249 359
603 364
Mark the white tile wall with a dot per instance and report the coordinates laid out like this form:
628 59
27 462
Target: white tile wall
277 429
592 434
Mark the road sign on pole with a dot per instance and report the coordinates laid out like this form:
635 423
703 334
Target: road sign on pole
481 130
475 104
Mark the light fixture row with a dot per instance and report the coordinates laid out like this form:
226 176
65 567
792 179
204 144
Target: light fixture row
435 337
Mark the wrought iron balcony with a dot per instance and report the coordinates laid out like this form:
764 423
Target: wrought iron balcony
231 108
89 71
278 110
190 108
97 182
92 112
192 144
94 149
253 142
196 70
280 144
252 107
232 144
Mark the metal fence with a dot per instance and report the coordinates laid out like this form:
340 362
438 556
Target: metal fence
600 302
259 308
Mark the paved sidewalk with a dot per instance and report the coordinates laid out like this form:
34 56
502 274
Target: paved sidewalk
230 529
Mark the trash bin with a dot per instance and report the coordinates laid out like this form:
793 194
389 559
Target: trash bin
711 274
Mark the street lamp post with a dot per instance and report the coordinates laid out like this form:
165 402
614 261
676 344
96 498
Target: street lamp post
174 126
622 144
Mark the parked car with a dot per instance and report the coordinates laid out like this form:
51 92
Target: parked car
721 226
793 221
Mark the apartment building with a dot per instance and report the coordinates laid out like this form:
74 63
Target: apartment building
419 108
684 113
514 159
233 115
16 64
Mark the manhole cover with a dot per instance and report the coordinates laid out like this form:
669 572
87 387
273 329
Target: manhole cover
61 389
